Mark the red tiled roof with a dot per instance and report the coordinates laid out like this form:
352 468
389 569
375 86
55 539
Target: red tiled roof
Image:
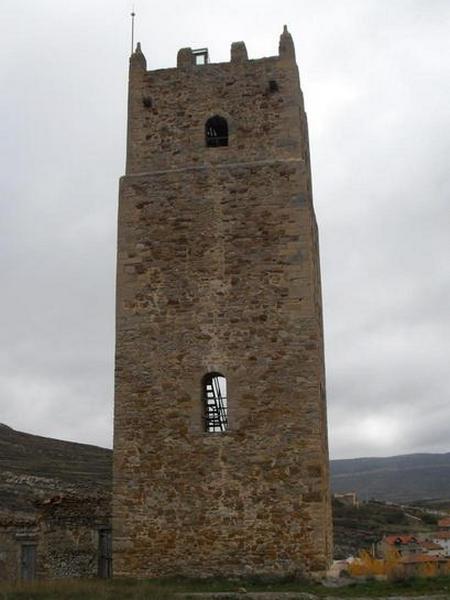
441 535
399 539
445 522
430 545
422 558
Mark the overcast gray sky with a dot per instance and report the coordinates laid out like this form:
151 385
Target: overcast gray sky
376 79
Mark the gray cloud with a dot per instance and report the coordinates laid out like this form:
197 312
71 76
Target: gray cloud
376 82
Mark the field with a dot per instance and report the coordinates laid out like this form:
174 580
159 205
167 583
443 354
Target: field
162 589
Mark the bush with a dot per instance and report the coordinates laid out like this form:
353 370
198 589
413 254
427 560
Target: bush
429 519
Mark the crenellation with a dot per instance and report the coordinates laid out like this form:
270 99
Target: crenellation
137 59
286 49
185 58
238 52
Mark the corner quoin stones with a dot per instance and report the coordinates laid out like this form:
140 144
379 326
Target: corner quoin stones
218 271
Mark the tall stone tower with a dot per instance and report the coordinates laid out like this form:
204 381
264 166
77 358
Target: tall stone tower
220 451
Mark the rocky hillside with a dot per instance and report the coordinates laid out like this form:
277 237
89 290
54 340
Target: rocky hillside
406 478
31 464
34 467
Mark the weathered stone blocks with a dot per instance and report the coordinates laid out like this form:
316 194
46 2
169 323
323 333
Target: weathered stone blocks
218 271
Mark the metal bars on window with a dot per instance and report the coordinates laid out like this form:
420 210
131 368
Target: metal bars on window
215 403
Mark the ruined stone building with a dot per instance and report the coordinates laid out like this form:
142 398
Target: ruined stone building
220 451
64 537
55 508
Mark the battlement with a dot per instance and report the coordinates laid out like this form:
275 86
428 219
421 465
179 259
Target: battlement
175 113
188 58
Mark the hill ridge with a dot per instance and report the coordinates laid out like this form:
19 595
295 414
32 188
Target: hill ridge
68 464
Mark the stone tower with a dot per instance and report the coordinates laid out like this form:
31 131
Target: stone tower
220 450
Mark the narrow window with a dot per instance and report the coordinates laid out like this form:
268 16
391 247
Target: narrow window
216 132
215 402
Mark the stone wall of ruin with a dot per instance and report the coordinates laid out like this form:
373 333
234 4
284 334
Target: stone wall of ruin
65 533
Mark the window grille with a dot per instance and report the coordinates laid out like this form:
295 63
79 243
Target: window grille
215 403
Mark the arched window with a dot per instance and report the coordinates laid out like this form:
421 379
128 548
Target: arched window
216 132
215 409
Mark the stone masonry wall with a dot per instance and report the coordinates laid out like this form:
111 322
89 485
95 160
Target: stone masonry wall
168 109
65 533
218 271
69 536
15 529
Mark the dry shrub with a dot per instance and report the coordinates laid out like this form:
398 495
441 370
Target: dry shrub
428 570
365 565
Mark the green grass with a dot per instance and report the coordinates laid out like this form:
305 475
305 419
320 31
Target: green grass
168 588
